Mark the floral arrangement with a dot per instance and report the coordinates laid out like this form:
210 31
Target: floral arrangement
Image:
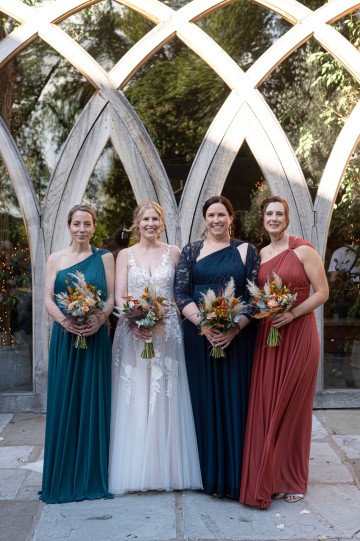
147 311
80 302
220 312
275 297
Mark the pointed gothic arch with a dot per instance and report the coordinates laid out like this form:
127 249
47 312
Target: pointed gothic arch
109 116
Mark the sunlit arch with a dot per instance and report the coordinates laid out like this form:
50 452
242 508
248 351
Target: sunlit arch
100 121
220 148
334 170
30 209
244 116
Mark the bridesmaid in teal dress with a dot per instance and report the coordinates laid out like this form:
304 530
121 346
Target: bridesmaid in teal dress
219 388
79 381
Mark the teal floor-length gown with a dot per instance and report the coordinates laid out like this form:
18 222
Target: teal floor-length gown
78 404
219 388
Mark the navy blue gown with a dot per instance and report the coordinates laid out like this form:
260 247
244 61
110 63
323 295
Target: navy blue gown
219 388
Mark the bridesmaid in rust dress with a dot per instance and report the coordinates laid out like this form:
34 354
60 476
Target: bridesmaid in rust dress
278 432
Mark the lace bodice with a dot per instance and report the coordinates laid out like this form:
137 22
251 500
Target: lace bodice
161 281
184 286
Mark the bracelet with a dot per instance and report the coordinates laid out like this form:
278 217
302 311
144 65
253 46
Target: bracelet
291 312
199 326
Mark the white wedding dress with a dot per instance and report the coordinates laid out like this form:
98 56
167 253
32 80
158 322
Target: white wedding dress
152 439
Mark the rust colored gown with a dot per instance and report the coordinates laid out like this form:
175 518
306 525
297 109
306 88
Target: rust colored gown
278 431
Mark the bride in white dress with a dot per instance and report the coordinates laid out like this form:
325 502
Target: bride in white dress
152 440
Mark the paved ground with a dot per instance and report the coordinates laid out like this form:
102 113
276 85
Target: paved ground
330 510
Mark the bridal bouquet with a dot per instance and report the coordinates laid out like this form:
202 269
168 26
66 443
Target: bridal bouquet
275 297
80 302
220 312
146 311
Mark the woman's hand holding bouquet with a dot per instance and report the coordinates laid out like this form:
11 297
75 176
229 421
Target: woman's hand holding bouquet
145 312
275 298
220 313
83 306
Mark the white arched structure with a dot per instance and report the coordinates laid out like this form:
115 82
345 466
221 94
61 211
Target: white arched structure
108 116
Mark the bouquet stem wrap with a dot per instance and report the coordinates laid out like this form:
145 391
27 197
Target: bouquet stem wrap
148 352
80 342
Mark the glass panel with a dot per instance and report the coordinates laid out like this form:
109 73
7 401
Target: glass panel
7 25
245 187
349 27
311 96
35 2
110 193
15 294
176 4
342 311
44 96
313 4
244 30
176 96
107 31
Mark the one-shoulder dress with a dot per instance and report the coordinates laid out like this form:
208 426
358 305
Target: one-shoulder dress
219 388
78 404
278 433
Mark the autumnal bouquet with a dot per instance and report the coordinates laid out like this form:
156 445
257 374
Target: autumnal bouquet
220 312
275 297
146 311
80 302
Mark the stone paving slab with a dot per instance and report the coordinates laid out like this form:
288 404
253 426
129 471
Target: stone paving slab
318 431
5 418
14 457
349 444
24 429
341 421
207 518
145 517
10 483
330 510
326 466
16 520
29 489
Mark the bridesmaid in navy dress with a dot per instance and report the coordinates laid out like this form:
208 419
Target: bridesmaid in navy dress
79 384
219 388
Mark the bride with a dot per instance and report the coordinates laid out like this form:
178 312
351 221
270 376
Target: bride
152 440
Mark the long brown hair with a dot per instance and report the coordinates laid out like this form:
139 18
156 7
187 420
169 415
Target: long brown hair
264 205
218 199
81 208
222 201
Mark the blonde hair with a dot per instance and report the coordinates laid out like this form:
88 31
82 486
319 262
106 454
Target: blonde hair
138 216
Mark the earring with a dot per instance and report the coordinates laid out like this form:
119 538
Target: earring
205 234
230 231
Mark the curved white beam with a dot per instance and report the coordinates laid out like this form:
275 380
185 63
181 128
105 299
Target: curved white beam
102 120
331 179
30 210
